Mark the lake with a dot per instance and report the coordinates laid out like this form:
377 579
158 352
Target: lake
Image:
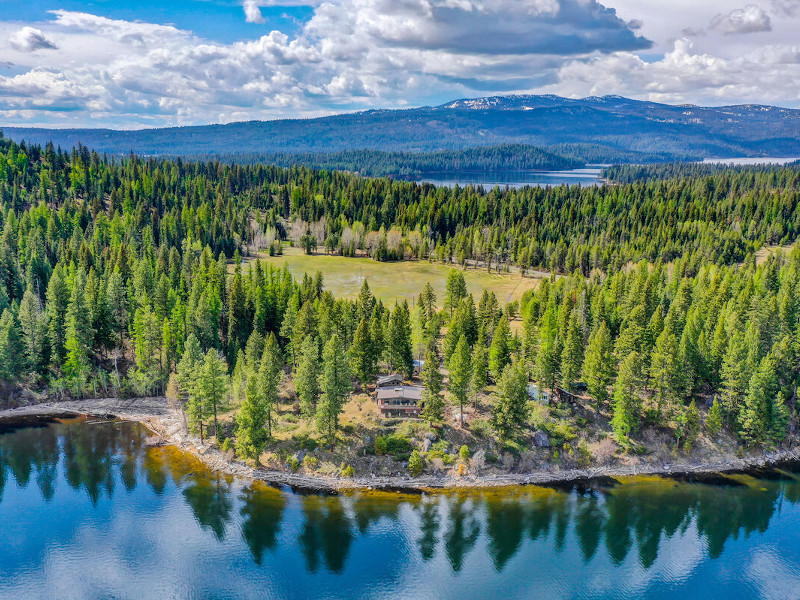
88 511
589 175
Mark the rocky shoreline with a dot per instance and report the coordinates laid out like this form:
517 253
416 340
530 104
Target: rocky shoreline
168 425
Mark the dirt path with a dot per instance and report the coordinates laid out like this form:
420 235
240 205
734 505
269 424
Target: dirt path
168 424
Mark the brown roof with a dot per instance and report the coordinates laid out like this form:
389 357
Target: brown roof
404 392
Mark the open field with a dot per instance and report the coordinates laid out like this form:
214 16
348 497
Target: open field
392 281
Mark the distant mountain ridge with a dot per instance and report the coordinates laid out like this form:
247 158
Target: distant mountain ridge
612 125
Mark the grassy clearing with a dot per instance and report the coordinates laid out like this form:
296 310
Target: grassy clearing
396 280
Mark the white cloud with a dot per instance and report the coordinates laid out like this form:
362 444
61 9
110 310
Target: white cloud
252 12
30 39
354 54
750 19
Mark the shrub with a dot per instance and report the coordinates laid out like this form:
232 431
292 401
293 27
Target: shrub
415 463
480 427
463 453
293 463
380 445
348 471
226 445
310 462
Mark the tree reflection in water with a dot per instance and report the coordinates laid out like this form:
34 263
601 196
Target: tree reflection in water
634 515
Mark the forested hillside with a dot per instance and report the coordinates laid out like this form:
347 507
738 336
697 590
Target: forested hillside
599 129
125 278
513 157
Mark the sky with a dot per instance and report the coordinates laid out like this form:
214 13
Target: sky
152 63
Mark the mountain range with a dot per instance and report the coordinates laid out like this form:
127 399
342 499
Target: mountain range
593 129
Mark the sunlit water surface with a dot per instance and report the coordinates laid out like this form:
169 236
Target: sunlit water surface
87 511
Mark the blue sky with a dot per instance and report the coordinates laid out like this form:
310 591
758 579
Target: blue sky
149 63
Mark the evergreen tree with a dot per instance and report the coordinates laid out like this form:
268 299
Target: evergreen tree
432 400
500 350
598 364
627 403
664 374
508 413
755 419
335 385
460 375
548 353
189 366
455 291
210 390
33 326
714 418
58 297
11 351
361 354
572 353
78 337
480 370
398 341
306 376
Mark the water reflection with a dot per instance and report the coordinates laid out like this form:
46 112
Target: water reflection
100 470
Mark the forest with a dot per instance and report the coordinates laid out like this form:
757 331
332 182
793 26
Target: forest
409 165
127 278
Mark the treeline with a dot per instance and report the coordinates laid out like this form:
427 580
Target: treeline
406 165
654 339
116 278
673 170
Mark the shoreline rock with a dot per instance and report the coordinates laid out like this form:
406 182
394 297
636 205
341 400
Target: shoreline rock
168 428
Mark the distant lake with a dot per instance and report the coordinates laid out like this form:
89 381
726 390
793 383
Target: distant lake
752 161
89 511
589 175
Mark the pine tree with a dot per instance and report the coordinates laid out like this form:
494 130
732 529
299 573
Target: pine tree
755 417
572 353
398 341
361 355
714 418
627 403
548 353
664 370
77 365
33 326
335 384
508 413
210 390
11 351
480 370
270 373
598 364
189 366
455 290
306 375
460 375
239 319
432 400
118 308
58 296
735 377
778 422
500 350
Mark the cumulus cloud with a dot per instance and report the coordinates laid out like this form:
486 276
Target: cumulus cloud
355 54
30 39
252 12
750 19
766 76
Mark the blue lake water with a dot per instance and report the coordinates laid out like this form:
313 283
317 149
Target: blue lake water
88 511
589 175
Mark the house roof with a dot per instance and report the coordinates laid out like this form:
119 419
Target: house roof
405 392
389 379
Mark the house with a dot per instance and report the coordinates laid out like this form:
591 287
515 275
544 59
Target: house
399 401
538 395
390 380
